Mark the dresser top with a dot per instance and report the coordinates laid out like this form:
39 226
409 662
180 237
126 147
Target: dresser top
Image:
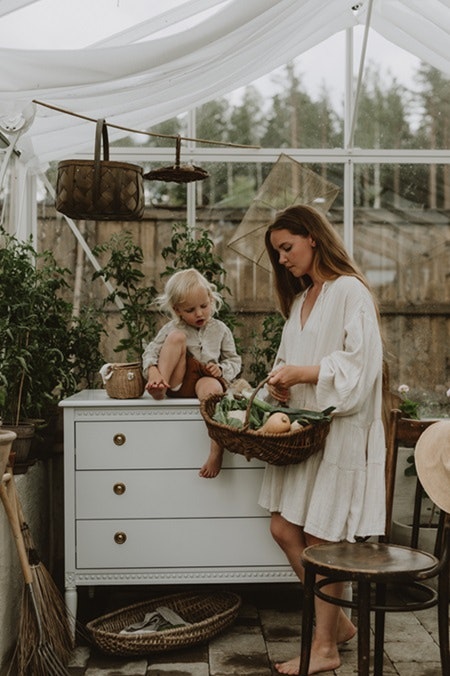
99 398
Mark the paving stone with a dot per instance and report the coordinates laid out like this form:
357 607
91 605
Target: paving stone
279 625
243 654
118 668
416 669
424 649
267 630
80 657
180 669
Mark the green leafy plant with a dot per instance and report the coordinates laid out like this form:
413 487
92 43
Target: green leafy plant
263 352
84 341
36 362
123 269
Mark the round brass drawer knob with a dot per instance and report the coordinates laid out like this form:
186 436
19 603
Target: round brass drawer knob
119 439
119 489
120 538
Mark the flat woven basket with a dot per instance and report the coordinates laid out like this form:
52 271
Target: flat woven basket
288 448
208 613
125 381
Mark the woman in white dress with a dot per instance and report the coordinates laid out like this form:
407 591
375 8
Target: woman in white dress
330 355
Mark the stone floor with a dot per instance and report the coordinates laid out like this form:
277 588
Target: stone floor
266 630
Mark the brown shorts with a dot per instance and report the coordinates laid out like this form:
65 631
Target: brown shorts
194 371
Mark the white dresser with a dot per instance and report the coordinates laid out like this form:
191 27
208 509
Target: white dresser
136 511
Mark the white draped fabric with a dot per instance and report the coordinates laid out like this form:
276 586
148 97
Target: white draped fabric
138 84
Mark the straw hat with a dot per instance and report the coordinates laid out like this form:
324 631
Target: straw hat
432 457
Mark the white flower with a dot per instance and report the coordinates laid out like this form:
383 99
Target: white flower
403 389
448 392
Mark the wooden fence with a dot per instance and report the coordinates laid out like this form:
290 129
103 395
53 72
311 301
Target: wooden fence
405 254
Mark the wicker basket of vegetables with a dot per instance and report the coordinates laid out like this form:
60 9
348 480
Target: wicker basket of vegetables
256 429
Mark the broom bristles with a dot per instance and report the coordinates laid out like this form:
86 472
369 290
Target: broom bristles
28 660
55 631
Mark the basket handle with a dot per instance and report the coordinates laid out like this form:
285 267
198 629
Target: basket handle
178 152
101 134
250 401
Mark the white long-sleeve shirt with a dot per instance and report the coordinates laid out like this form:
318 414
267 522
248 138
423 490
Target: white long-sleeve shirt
213 342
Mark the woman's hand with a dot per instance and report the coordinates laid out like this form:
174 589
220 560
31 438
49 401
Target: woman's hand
284 377
278 385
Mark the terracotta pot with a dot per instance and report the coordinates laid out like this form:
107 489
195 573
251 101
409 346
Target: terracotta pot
6 440
21 446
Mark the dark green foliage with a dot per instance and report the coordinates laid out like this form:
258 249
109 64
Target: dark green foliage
38 364
123 268
192 248
265 347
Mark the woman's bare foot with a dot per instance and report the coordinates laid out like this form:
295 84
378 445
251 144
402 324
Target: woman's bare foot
346 629
317 664
213 465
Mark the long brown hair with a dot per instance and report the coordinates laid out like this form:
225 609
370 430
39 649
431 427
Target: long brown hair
331 259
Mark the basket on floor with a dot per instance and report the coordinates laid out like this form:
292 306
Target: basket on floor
287 448
208 614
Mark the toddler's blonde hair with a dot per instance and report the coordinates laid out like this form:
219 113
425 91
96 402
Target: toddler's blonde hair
179 287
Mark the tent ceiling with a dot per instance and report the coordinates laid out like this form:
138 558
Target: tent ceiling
157 68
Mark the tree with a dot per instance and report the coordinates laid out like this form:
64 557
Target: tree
434 130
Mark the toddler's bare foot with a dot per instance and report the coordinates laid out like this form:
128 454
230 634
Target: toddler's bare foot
156 392
317 664
212 466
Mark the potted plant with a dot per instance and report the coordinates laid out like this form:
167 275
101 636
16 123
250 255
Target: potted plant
37 333
411 407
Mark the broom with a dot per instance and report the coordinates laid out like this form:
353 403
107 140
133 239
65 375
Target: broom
44 642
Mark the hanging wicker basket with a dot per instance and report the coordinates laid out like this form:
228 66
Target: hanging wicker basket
288 448
207 614
177 173
100 189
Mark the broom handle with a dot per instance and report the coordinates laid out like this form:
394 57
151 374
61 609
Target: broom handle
11 513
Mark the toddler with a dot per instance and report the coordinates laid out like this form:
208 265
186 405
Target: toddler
194 354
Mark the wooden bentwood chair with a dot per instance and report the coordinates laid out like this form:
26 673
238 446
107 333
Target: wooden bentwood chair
373 566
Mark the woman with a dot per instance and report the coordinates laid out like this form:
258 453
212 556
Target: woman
330 355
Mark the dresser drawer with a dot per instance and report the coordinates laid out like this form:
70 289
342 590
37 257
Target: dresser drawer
182 543
146 444
128 494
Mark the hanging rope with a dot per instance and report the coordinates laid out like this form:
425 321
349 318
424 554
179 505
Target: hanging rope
147 133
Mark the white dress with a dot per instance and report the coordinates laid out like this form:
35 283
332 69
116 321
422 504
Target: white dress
339 493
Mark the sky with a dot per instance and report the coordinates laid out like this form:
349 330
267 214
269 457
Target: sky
64 24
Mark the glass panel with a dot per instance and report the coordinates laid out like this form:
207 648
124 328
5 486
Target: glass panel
404 103
298 105
404 250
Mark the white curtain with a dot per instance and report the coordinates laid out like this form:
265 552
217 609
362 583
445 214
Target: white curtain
140 84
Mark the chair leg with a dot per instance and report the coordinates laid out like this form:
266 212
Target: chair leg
363 627
443 601
380 615
307 620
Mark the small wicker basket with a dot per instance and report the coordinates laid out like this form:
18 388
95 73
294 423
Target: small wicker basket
125 381
288 448
208 614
